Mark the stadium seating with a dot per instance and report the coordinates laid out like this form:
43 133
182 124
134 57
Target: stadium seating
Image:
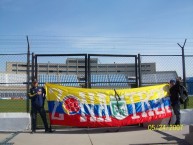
119 80
43 78
68 80
13 79
158 77
148 78
99 80
12 94
65 80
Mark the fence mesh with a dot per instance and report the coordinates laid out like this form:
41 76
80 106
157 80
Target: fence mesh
112 71
168 67
189 74
13 82
163 68
64 70
103 71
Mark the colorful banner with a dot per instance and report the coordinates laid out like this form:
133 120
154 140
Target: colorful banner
80 107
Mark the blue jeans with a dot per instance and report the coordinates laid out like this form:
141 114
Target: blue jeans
176 109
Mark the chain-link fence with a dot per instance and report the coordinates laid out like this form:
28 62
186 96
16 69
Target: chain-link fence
189 73
167 67
82 70
13 82
163 68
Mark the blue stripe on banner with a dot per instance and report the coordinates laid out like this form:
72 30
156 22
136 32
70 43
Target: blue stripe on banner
138 106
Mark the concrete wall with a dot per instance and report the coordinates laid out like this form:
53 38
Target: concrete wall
15 121
186 118
22 121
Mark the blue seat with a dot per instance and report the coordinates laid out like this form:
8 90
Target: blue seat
99 80
68 80
44 78
118 80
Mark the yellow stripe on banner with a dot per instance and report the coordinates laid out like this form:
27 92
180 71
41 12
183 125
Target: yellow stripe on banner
59 92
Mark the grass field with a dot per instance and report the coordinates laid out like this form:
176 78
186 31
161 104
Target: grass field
15 106
20 105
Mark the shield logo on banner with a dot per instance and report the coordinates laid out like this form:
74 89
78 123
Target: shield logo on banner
71 105
118 108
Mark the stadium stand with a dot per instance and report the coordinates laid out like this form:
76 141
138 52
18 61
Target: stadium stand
118 80
16 79
12 95
13 85
65 80
69 80
158 77
99 80
13 79
43 78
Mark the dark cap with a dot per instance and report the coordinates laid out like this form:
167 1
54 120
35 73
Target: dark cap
34 81
172 81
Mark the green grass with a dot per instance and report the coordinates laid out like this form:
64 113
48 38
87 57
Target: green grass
20 105
15 106
190 103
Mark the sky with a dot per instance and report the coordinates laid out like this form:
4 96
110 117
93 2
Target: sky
96 26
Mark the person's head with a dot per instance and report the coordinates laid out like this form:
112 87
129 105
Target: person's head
35 83
172 82
178 80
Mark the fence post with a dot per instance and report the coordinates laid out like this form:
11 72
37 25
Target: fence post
28 74
32 73
89 73
139 69
136 72
36 67
184 69
86 71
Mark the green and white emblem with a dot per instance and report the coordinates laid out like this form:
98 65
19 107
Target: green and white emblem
118 108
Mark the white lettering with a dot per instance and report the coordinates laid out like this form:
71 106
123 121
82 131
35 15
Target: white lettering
162 111
131 95
90 109
160 96
167 108
103 106
61 116
146 101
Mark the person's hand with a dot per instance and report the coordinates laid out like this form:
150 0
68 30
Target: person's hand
39 92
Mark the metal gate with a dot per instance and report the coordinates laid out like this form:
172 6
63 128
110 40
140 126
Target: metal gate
112 71
64 69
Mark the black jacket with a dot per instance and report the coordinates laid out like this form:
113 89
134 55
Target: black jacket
37 100
175 92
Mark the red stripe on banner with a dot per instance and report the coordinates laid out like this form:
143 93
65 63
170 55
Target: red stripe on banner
75 120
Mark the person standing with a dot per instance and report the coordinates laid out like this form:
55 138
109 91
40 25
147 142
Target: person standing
175 100
37 96
176 90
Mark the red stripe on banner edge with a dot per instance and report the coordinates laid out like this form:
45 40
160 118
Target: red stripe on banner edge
74 120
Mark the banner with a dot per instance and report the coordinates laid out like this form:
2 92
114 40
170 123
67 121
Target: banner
81 107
